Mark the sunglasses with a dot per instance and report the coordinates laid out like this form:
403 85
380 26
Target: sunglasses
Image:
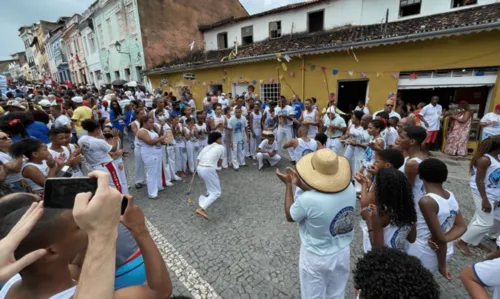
389 105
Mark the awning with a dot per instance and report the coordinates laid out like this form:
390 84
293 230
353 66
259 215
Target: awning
447 82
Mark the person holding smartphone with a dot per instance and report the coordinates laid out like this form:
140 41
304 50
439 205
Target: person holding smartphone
40 164
97 152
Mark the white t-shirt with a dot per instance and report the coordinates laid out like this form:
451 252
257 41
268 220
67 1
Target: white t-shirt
432 115
66 294
285 111
493 129
337 121
224 102
244 111
364 109
139 95
96 151
268 148
12 177
62 121
390 136
487 273
105 113
392 114
211 154
192 104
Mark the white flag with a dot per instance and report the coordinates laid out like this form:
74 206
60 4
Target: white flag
191 45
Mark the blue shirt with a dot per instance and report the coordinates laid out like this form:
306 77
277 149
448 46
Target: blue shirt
39 131
175 112
129 118
326 220
298 107
117 124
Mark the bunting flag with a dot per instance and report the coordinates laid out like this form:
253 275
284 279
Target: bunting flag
323 68
335 72
254 82
379 75
204 83
351 73
479 73
395 75
288 58
261 81
281 78
271 80
302 67
363 75
312 67
292 74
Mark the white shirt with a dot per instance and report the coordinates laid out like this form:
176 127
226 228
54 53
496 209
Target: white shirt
392 114
96 151
67 294
364 109
432 115
12 177
104 113
192 104
285 111
268 148
493 129
487 273
62 121
224 102
211 154
139 95
337 121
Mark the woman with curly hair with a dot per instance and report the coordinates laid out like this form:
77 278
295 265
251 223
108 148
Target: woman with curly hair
391 221
439 222
407 278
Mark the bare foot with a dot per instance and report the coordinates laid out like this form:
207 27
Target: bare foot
200 212
462 246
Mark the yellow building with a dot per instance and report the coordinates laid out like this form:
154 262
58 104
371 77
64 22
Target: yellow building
452 54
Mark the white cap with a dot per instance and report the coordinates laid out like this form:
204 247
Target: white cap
331 109
77 100
223 94
44 103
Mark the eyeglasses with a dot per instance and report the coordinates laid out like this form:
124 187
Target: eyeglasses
389 105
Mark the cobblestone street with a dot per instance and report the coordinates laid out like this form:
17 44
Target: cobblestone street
247 249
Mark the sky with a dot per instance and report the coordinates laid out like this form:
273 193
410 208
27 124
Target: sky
24 12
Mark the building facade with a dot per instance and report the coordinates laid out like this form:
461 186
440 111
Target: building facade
117 32
90 46
446 52
58 61
27 34
74 50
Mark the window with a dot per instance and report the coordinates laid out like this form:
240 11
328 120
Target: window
98 76
409 7
120 23
316 21
91 40
108 78
127 74
75 44
101 35
460 3
117 75
275 29
110 30
270 91
222 40
130 17
85 46
247 35
138 72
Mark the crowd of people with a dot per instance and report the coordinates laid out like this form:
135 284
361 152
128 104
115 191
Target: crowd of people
408 219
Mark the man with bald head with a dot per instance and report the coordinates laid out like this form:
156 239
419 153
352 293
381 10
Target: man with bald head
389 108
405 122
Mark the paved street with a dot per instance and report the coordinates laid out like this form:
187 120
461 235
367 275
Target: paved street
247 249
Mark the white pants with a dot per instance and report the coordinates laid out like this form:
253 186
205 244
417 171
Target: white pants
272 160
171 163
209 175
180 158
247 145
122 174
138 167
153 162
349 155
324 277
165 175
334 144
255 142
238 153
191 152
114 178
480 223
285 134
227 157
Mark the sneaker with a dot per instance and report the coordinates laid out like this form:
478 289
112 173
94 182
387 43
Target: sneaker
169 184
218 168
177 178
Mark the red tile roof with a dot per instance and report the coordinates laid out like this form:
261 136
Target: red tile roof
478 18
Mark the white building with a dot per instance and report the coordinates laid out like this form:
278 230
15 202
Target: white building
27 34
91 47
320 15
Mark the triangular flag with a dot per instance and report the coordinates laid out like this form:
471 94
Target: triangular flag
288 58
363 74
204 83
271 80
350 73
479 73
395 75
323 68
379 75
312 67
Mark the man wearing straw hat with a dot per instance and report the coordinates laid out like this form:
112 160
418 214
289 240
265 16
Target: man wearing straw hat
326 216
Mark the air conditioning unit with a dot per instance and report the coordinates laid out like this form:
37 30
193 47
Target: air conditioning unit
189 76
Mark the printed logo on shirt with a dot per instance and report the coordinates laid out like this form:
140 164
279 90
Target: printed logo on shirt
238 128
398 239
306 151
369 154
343 222
494 179
448 223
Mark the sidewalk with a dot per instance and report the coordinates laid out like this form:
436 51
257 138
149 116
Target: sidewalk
458 167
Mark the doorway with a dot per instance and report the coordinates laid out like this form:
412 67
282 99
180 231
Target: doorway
214 88
349 93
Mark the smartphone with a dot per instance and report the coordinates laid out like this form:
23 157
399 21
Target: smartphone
60 193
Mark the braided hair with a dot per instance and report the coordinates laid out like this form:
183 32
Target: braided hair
407 277
394 194
488 145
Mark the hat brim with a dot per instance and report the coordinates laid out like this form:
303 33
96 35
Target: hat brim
324 183
16 106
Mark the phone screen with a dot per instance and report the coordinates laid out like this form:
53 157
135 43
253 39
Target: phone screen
60 193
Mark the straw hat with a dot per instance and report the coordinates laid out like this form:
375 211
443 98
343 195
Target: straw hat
325 171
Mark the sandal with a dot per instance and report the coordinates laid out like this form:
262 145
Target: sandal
201 213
